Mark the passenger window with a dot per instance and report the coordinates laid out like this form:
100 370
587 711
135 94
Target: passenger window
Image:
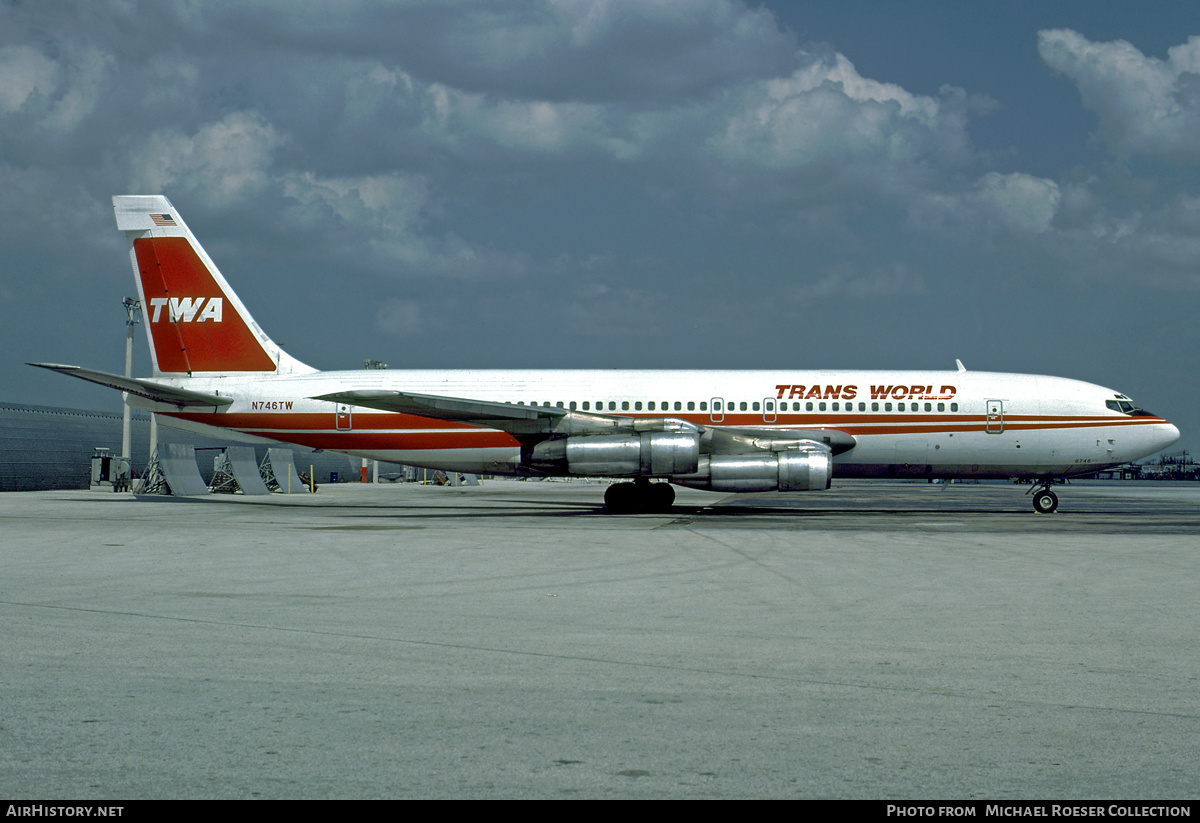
953 407
691 405
678 406
887 406
754 405
650 406
821 407
874 407
835 406
624 405
928 407
808 406
862 406
572 405
941 406
743 405
638 405
703 405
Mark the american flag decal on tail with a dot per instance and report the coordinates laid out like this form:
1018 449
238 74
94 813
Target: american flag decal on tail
162 219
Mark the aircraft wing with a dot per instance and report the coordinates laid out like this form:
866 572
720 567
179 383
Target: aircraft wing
442 408
142 388
531 420
509 417
739 439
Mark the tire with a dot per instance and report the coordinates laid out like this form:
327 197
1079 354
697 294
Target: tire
1045 502
659 497
621 498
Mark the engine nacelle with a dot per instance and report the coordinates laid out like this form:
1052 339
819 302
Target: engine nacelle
793 470
650 454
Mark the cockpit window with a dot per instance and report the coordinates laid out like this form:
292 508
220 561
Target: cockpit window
1123 405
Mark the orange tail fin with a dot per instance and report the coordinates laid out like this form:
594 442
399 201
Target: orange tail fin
194 320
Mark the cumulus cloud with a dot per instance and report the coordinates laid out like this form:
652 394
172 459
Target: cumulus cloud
387 203
827 111
1020 202
59 93
579 50
25 72
1145 105
221 163
1017 204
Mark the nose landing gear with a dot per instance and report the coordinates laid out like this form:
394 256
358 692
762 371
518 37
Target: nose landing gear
1044 500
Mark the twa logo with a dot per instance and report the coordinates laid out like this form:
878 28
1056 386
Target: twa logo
187 309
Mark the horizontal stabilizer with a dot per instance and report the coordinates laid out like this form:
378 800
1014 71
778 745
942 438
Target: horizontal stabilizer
142 388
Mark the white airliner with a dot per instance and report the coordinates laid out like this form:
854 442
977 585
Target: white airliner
218 373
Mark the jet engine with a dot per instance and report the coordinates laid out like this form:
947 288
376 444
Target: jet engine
808 468
649 454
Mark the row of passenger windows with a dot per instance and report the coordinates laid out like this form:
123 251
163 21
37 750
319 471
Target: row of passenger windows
766 405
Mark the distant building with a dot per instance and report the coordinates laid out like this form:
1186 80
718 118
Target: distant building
1177 466
45 447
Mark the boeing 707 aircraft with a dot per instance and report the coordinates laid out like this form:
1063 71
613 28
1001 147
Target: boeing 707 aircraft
215 371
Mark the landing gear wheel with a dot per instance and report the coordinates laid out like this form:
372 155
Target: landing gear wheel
1045 501
642 495
659 497
621 498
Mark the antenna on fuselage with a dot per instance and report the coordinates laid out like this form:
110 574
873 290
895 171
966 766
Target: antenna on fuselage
958 363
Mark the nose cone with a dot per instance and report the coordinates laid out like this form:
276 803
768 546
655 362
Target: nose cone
1168 434
1148 438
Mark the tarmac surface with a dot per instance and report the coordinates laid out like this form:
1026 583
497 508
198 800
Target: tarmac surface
880 640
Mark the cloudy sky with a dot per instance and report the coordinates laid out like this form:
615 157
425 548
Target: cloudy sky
591 183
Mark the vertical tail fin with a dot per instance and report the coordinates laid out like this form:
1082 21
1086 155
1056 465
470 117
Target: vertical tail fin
194 320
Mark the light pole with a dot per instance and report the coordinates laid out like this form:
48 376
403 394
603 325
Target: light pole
132 307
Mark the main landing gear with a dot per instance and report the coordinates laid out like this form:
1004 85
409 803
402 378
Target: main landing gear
639 496
1044 500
